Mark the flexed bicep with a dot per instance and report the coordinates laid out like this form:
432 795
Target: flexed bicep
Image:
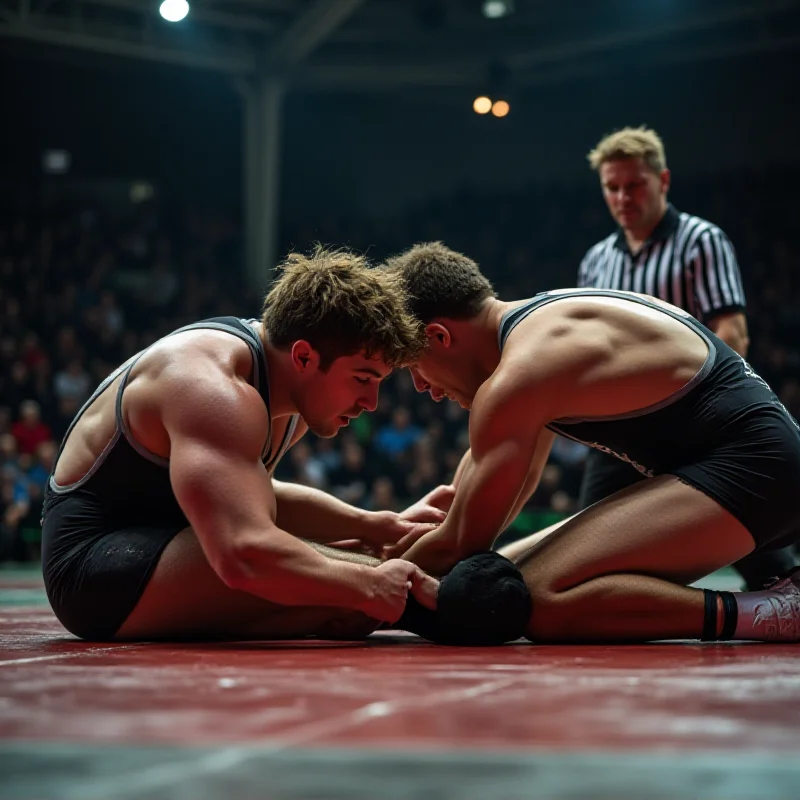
215 462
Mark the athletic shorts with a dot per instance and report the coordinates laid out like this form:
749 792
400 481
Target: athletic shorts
604 475
754 473
94 573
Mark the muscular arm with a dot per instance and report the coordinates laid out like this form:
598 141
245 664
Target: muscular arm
316 515
320 517
543 447
732 329
313 514
462 466
505 430
540 456
216 424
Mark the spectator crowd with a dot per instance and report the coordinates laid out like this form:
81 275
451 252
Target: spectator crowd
81 291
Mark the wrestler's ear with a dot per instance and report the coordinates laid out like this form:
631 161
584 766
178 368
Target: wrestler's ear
438 333
305 358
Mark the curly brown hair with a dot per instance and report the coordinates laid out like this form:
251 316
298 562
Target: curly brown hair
441 282
341 305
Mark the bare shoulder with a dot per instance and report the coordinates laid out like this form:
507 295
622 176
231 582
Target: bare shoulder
555 342
197 384
195 350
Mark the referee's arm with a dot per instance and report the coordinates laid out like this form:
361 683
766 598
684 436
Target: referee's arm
718 289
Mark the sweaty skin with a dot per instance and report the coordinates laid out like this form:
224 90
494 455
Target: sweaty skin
241 567
574 357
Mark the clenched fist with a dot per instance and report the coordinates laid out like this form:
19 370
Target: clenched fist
392 582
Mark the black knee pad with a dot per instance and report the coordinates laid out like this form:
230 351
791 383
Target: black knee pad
483 600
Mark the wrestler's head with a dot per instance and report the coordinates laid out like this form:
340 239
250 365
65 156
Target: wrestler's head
446 289
344 325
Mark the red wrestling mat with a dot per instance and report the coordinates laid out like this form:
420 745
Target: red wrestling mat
395 692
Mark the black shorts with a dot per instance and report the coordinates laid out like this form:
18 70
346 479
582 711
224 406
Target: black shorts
754 473
94 572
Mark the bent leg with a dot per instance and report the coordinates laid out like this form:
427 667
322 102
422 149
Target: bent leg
186 599
603 476
517 550
619 570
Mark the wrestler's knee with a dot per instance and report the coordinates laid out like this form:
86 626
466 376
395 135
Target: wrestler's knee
555 615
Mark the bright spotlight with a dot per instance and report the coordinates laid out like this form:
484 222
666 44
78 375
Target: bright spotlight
501 108
174 10
495 9
482 105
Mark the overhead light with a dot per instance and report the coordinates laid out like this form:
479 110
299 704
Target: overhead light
174 10
495 9
56 162
501 108
482 105
141 192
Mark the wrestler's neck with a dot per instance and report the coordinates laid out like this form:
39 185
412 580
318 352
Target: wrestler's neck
281 378
478 337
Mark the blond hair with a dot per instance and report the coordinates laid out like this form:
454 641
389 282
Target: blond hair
640 142
341 305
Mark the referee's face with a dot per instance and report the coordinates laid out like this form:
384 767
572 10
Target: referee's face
635 195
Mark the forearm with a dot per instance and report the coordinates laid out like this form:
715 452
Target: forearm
288 571
527 492
543 448
485 504
317 516
486 496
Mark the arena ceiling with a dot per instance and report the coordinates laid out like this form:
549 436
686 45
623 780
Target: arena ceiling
389 45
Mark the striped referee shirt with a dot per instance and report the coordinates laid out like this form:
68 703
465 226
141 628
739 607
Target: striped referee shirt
687 261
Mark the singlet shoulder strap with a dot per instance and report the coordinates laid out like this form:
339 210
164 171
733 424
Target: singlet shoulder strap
512 318
231 325
261 379
285 441
104 384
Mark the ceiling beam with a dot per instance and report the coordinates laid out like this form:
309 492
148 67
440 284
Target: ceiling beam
323 16
240 63
222 19
597 44
309 30
386 76
332 77
690 55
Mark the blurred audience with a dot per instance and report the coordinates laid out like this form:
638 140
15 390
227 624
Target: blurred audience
81 291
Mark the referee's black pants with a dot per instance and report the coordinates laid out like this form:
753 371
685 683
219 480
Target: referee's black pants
605 474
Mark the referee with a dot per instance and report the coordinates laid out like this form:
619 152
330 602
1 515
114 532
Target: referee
669 254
